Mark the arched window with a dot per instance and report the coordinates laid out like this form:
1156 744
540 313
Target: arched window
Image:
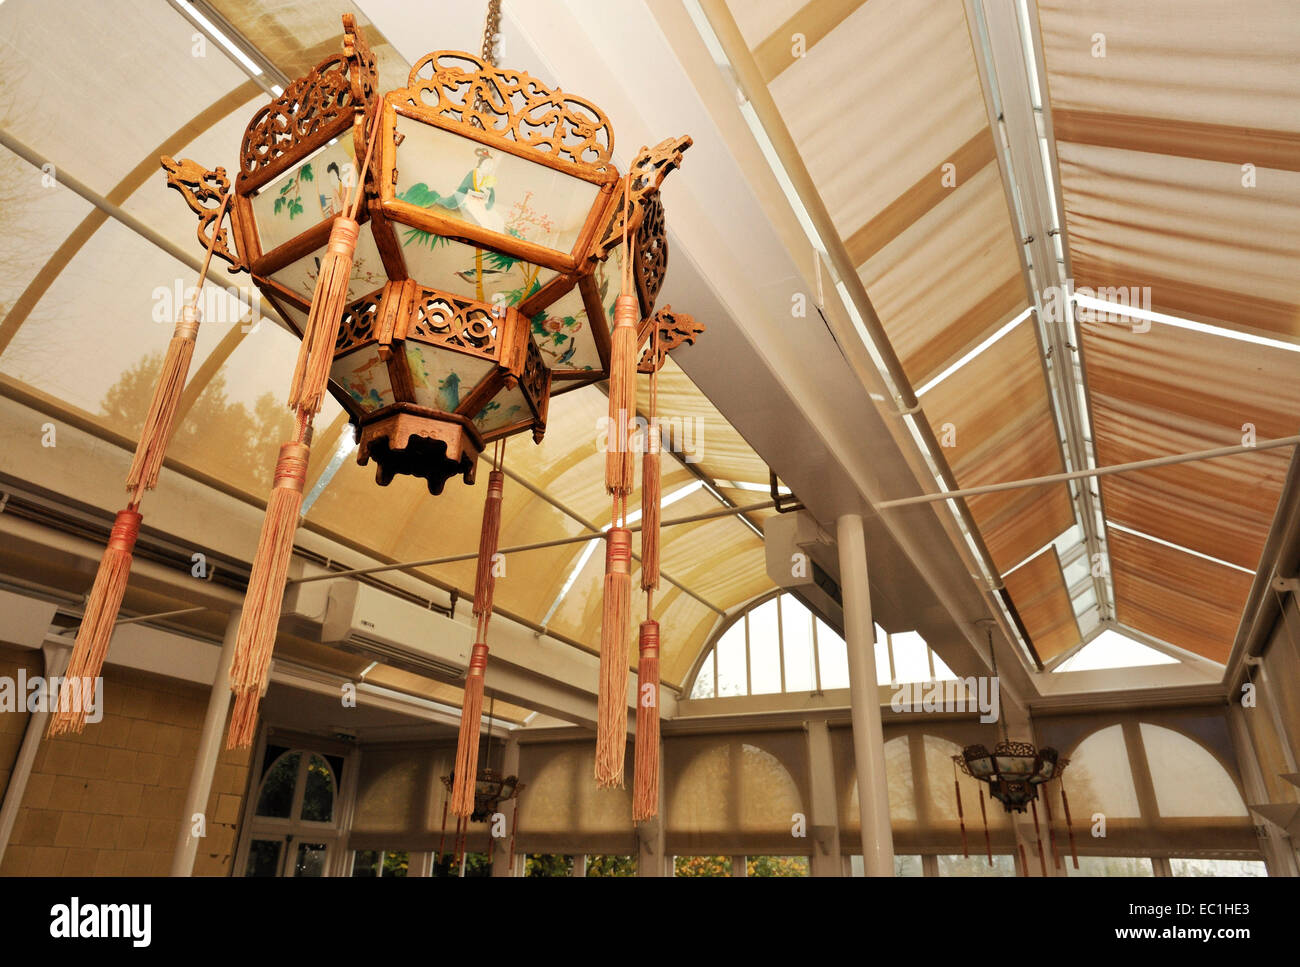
294 825
1099 778
1187 779
778 645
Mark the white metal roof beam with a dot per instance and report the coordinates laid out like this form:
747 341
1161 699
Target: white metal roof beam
1010 70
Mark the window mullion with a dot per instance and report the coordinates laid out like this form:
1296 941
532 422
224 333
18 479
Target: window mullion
780 639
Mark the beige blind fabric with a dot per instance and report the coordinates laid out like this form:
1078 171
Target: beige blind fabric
400 797
1176 596
1043 603
915 189
1152 139
1165 781
1167 59
994 420
562 810
933 318
853 73
735 793
1170 390
694 428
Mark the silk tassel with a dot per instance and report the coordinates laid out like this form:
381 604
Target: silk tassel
251 663
645 786
102 606
611 705
465 773
1069 826
619 458
961 819
651 482
105 599
988 843
1051 829
1038 836
316 352
161 419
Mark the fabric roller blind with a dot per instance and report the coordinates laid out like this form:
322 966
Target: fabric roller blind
1038 590
561 809
735 794
400 798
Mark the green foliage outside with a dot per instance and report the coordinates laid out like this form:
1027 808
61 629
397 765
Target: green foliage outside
776 866
611 865
702 866
548 864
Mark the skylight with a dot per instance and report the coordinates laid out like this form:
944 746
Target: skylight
590 548
1136 312
1111 649
975 352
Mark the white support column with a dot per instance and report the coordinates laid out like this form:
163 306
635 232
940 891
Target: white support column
421 864
823 822
205 761
864 699
56 661
501 865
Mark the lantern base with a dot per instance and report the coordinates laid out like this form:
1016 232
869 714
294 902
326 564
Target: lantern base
424 443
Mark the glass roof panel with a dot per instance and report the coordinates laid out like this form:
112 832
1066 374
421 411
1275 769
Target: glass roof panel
173 77
96 339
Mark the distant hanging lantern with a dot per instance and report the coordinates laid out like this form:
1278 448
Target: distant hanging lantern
1014 772
446 286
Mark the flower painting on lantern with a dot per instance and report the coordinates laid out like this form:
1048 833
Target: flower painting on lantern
562 330
305 195
488 187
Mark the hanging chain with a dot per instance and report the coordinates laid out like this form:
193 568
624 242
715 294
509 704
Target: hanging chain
491 36
993 657
491 31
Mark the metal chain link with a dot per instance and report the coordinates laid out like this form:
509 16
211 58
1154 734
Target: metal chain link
491 30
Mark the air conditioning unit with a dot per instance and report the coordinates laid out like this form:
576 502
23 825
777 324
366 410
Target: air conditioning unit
368 621
801 557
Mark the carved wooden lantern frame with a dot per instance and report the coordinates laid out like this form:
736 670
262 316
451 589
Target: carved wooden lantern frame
472 300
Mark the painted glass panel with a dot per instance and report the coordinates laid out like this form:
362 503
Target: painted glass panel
485 186
306 194
365 377
367 270
441 377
